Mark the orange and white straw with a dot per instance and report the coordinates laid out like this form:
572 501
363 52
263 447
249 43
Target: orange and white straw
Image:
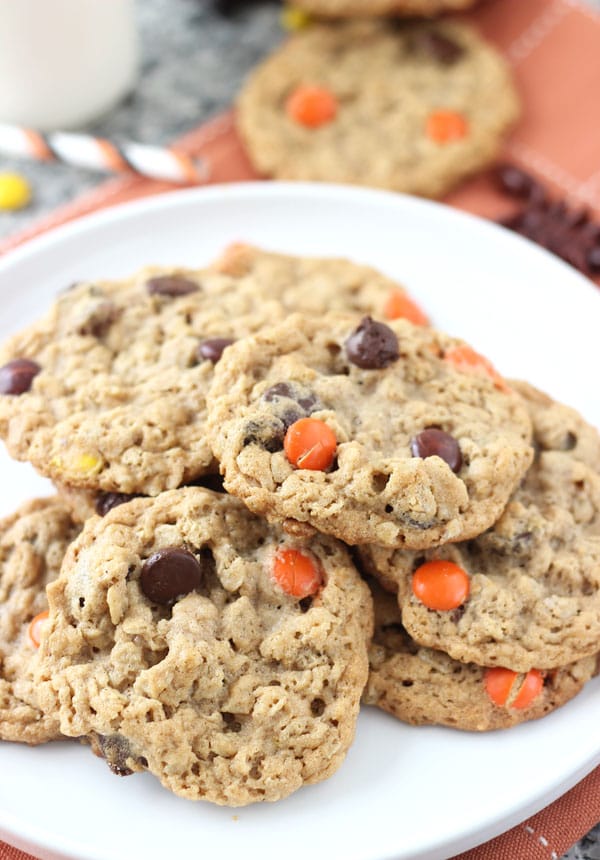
96 153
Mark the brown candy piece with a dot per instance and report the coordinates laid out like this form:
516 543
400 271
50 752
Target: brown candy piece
171 285
16 376
372 346
212 348
567 232
434 442
517 182
170 573
107 501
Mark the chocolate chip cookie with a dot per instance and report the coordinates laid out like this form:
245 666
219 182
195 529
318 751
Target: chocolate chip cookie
189 638
107 392
525 594
33 542
392 433
423 686
399 105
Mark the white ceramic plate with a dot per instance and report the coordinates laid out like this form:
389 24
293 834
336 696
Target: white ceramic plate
402 792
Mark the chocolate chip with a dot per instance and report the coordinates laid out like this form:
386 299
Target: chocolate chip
232 724
212 348
433 442
317 707
16 376
170 573
268 436
171 285
105 502
437 46
280 389
458 613
115 750
518 183
290 416
372 346
303 397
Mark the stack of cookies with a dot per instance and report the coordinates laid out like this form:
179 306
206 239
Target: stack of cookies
369 94
279 493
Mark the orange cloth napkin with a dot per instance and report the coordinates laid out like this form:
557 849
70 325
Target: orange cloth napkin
554 47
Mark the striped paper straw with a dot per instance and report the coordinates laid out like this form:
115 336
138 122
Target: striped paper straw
96 153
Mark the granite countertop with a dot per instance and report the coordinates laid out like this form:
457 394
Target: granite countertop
182 82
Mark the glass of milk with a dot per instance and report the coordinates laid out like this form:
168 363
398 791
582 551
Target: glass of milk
64 63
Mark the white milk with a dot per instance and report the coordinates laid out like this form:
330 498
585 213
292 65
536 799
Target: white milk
64 63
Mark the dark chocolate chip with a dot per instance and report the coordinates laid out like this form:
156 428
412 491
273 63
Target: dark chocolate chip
290 416
170 573
212 348
232 724
280 389
517 182
433 442
372 346
16 376
304 398
171 285
437 46
115 750
105 502
268 436
317 707
458 613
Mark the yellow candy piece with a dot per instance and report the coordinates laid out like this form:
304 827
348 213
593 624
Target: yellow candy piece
15 191
88 464
293 19
80 464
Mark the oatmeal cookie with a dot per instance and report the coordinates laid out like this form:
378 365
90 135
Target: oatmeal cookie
525 594
393 433
189 638
423 686
33 542
404 106
108 391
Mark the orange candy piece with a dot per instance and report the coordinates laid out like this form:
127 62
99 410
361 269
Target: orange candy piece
310 444
446 126
400 306
36 627
499 683
296 573
311 106
441 585
465 359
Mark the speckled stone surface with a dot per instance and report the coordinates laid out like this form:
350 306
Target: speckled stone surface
182 82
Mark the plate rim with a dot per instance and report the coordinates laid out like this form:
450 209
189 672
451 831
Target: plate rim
279 190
